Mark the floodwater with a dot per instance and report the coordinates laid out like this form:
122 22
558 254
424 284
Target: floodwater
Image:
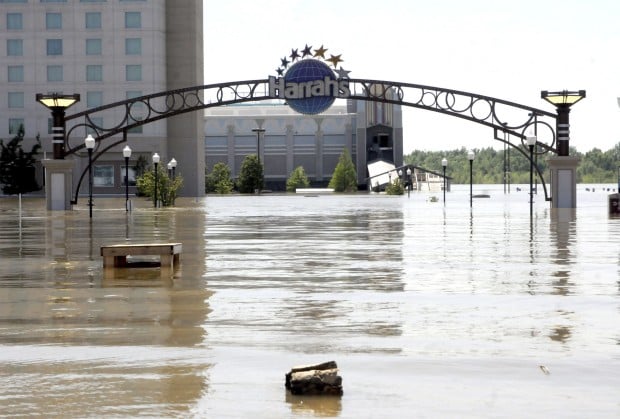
430 311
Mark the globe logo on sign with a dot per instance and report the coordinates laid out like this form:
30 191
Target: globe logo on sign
309 85
307 71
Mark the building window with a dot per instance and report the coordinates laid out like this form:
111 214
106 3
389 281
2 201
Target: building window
94 99
133 72
54 73
53 1
14 21
93 1
14 47
15 124
131 174
16 73
13 1
94 73
133 20
133 46
137 111
103 175
93 47
53 20
16 99
93 20
54 47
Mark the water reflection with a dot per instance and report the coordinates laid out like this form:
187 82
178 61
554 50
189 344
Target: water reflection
405 291
563 221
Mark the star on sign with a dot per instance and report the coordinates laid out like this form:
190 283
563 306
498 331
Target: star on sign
334 59
320 52
306 51
284 62
280 71
342 73
294 55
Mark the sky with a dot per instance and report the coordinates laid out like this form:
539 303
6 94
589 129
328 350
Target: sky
509 50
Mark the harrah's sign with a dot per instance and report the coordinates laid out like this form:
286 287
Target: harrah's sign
280 88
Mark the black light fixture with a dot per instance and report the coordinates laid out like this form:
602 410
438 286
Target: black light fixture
155 163
258 132
531 142
58 103
409 179
444 163
471 156
563 100
89 143
173 164
127 155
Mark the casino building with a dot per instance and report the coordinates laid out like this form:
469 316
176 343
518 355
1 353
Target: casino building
369 131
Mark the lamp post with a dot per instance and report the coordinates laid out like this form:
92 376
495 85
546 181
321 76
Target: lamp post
563 100
258 132
89 142
531 142
444 163
127 155
58 103
470 156
173 165
409 185
155 163
169 166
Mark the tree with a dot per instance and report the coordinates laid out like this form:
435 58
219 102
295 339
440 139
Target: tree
250 175
166 188
17 170
298 179
344 178
395 188
219 181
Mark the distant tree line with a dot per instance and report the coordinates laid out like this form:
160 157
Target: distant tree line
596 166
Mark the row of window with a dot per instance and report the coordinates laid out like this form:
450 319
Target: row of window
93 46
94 73
92 20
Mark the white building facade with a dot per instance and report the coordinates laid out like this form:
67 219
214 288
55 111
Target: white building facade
106 51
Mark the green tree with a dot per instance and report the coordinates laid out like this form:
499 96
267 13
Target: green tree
344 178
395 188
298 179
166 188
17 167
251 175
219 180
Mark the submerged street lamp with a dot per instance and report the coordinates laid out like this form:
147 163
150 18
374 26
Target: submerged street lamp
173 165
155 163
531 142
444 163
127 155
89 143
563 100
409 179
58 103
471 156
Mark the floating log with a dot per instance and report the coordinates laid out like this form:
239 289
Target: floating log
317 379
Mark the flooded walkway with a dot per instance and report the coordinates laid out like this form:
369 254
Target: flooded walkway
428 311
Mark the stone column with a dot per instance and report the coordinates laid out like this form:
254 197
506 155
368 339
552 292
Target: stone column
58 183
563 181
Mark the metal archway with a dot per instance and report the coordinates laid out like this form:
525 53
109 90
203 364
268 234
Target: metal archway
509 118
